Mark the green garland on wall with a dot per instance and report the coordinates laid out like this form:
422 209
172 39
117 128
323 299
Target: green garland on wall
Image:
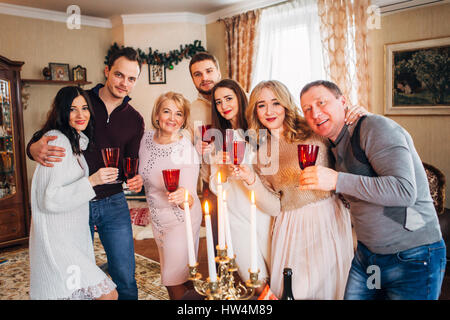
162 58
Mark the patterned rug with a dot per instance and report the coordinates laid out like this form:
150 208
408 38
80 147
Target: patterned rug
15 280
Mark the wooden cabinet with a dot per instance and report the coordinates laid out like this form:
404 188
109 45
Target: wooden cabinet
14 198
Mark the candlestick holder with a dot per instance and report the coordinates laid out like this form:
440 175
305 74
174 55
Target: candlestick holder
225 288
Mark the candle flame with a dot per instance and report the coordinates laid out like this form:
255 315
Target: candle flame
218 178
186 196
253 197
206 208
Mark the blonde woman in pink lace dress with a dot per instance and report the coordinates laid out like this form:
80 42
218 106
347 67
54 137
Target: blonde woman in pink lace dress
166 148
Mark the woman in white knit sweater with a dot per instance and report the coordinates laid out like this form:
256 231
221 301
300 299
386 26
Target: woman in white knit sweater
62 261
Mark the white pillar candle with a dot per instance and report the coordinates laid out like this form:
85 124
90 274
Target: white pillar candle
228 239
210 246
188 224
220 220
253 243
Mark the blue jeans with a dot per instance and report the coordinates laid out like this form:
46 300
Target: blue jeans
112 218
413 274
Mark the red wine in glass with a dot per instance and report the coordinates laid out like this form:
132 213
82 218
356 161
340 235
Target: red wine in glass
111 160
206 136
171 178
238 152
307 155
227 145
110 157
130 167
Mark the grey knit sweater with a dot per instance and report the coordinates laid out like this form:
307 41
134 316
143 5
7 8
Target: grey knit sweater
392 210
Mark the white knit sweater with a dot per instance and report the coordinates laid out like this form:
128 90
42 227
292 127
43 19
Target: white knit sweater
62 261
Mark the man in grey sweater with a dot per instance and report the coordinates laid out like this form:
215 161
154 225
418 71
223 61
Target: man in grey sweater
400 252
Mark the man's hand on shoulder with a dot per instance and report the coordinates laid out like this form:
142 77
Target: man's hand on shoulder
45 154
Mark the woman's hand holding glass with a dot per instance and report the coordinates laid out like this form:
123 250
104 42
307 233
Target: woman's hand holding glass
104 175
204 147
178 197
243 172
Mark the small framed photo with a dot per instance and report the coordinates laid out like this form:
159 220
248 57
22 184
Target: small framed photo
156 74
59 71
417 77
79 73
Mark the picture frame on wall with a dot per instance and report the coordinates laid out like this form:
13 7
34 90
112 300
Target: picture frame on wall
156 74
416 77
79 73
59 71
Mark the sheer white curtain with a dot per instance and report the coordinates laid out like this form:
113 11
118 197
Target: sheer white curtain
289 47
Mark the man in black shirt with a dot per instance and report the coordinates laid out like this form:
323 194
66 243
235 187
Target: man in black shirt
117 124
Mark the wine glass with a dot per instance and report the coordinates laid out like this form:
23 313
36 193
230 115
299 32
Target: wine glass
206 136
111 160
171 178
130 168
307 155
227 145
238 152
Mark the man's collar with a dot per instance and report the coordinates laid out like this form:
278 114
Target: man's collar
339 138
97 88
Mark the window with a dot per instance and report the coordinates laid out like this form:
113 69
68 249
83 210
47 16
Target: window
289 47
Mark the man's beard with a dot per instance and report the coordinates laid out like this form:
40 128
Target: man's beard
205 93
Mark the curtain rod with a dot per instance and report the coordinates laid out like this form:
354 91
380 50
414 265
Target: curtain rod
259 8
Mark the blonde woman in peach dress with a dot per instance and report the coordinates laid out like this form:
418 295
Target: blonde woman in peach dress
312 229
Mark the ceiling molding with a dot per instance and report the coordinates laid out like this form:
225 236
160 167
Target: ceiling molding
174 17
240 8
51 15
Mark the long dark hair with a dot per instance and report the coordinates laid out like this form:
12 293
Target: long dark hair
220 122
59 115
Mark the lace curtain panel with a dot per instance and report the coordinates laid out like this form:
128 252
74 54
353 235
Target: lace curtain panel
344 32
240 34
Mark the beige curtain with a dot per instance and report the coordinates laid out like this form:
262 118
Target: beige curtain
344 37
240 38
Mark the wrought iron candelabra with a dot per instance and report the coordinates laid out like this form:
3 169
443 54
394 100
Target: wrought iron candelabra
225 287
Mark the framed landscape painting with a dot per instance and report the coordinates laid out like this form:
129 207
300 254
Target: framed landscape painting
417 77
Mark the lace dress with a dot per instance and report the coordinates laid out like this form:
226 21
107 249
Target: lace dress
167 220
62 261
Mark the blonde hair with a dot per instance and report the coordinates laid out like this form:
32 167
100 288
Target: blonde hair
181 102
295 127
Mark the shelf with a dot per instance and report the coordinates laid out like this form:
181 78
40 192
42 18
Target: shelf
43 81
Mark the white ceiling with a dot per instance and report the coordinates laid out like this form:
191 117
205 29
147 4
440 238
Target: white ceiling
109 8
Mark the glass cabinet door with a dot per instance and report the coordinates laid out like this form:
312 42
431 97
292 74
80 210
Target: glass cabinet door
7 170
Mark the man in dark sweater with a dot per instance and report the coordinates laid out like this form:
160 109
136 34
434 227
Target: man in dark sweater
117 124
400 253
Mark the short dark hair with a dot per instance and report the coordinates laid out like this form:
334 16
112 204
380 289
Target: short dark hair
201 56
220 122
327 84
126 52
59 116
